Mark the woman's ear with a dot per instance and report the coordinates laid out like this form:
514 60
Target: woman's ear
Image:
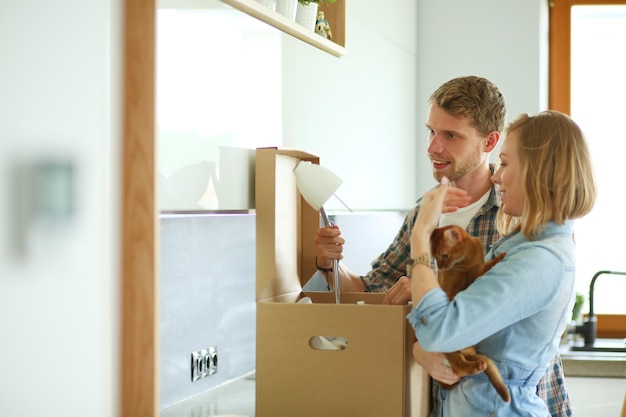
491 141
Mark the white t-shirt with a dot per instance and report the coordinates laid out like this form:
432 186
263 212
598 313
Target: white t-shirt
462 216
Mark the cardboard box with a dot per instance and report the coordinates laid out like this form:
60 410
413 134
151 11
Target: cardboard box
375 375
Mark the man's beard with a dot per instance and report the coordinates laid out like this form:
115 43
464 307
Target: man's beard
466 166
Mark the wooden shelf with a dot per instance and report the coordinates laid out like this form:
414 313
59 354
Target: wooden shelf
272 18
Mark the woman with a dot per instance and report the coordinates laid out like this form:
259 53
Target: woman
545 180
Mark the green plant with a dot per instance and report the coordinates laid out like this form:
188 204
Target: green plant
578 305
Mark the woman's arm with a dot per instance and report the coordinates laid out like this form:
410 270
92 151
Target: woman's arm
423 278
526 282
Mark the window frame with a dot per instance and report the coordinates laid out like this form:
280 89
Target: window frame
559 98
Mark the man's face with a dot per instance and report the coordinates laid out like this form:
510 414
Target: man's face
455 148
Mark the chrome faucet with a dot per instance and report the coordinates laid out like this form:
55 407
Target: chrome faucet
589 327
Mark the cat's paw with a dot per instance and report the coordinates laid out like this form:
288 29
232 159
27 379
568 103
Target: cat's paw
479 366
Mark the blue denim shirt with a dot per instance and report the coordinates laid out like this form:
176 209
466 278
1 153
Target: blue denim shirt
515 314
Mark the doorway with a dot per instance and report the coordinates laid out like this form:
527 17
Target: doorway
138 312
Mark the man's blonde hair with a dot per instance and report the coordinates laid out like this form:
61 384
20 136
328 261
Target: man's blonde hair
476 98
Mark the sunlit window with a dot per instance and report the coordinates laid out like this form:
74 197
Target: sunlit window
218 85
598 68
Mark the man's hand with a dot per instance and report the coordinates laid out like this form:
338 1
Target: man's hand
400 293
435 365
329 244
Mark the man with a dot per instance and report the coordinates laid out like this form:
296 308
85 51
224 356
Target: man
465 118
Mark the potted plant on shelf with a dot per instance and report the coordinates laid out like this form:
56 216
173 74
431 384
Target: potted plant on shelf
306 14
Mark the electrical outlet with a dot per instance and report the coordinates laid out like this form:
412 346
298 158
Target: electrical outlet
211 361
197 365
203 363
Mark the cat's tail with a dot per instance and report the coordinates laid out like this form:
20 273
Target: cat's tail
496 379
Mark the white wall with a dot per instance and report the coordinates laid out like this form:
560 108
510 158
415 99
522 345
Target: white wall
206 298
502 40
59 102
350 110
218 88
364 113
357 112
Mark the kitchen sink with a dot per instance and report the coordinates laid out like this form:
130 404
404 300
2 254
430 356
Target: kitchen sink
605 359
601 345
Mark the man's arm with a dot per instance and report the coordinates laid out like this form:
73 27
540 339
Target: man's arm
348 280
329 244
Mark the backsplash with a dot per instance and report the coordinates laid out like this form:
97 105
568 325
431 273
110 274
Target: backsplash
207 298
207 290
367 235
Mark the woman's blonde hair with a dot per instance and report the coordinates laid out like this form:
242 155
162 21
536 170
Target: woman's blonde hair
557 174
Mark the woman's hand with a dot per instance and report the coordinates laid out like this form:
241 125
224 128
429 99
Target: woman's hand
435 365
455 198
443 199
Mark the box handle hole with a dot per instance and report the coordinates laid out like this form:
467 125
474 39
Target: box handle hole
328 343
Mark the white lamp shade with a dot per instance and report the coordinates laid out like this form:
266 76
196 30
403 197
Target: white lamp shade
316 183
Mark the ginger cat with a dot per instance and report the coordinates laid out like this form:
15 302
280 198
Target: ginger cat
460 260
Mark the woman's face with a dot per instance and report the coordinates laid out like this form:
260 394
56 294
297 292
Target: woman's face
508 176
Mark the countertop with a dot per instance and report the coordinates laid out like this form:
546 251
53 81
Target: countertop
237 398
233 399
593 364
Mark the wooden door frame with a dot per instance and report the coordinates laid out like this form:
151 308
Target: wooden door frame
608 325
560 52
138 374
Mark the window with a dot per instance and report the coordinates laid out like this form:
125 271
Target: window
218 89
587 67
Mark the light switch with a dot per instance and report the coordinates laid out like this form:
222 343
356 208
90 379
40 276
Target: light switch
43 199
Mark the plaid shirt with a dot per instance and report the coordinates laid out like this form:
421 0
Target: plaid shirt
391 265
